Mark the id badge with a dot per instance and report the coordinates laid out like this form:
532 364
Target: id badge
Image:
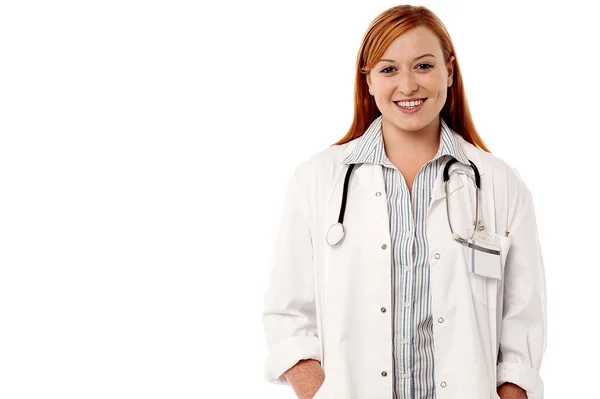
483 255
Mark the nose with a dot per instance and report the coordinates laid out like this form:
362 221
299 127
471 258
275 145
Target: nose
407 83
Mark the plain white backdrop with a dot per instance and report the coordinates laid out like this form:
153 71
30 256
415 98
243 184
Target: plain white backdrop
145 147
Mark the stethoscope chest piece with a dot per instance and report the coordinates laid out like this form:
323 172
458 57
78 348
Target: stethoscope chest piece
335 234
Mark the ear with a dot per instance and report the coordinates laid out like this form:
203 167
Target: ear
450 68
368 76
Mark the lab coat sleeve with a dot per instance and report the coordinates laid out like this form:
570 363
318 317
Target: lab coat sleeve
524 323
289 315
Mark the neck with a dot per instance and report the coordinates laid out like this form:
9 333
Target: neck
418 144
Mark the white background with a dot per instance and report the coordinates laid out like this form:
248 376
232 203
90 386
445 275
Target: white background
146 145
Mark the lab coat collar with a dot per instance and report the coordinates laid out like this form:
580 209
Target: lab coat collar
368 149
456 182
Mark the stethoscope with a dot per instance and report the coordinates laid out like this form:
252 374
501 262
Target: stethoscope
337 232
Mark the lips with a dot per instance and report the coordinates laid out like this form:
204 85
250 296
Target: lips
411 101
410 110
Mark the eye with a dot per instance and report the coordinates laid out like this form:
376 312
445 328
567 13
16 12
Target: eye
387 70
429 66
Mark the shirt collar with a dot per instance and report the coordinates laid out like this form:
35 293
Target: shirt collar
370 146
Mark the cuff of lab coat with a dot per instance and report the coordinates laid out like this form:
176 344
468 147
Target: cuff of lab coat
286 353
523 376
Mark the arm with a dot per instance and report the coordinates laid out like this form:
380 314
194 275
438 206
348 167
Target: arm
289 315
306 377
511 391
523 329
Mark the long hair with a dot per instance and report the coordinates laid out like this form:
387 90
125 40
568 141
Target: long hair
384 29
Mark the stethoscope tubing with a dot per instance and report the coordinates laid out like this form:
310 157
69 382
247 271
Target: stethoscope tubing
341 230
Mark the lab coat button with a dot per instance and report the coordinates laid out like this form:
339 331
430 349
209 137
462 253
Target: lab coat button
384 374
437 256
383 310
378 193
441 320
383 246
443 384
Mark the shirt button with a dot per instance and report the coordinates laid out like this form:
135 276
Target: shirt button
383 246
437 256
441 320
405 341
405 375
383 310
384 373
443 384
406 304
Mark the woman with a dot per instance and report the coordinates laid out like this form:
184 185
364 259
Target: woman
430 287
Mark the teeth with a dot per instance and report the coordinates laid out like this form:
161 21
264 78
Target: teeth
410 103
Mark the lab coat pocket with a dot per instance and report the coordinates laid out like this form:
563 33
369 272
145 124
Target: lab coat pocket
484 287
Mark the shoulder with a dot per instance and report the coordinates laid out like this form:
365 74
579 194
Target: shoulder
498 171
501 181
324 163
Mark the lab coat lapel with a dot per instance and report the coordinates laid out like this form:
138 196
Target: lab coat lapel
461 197
456 182
370 181
368 188
366 195
370 176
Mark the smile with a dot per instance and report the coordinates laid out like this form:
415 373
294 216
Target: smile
410 106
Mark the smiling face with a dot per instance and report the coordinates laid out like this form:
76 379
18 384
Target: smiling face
412 67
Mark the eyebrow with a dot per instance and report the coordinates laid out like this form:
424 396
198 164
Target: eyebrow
418 58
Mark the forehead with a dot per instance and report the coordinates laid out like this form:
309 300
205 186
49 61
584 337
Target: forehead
413 43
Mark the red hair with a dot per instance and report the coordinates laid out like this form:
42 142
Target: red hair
384 29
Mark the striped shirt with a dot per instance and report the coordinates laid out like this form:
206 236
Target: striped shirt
412 321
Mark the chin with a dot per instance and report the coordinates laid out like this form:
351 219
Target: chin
411 122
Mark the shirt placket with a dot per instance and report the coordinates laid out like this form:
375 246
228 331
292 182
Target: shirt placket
403 280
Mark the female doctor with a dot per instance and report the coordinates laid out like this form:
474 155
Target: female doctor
407 263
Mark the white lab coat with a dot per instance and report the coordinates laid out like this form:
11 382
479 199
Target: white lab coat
326 303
